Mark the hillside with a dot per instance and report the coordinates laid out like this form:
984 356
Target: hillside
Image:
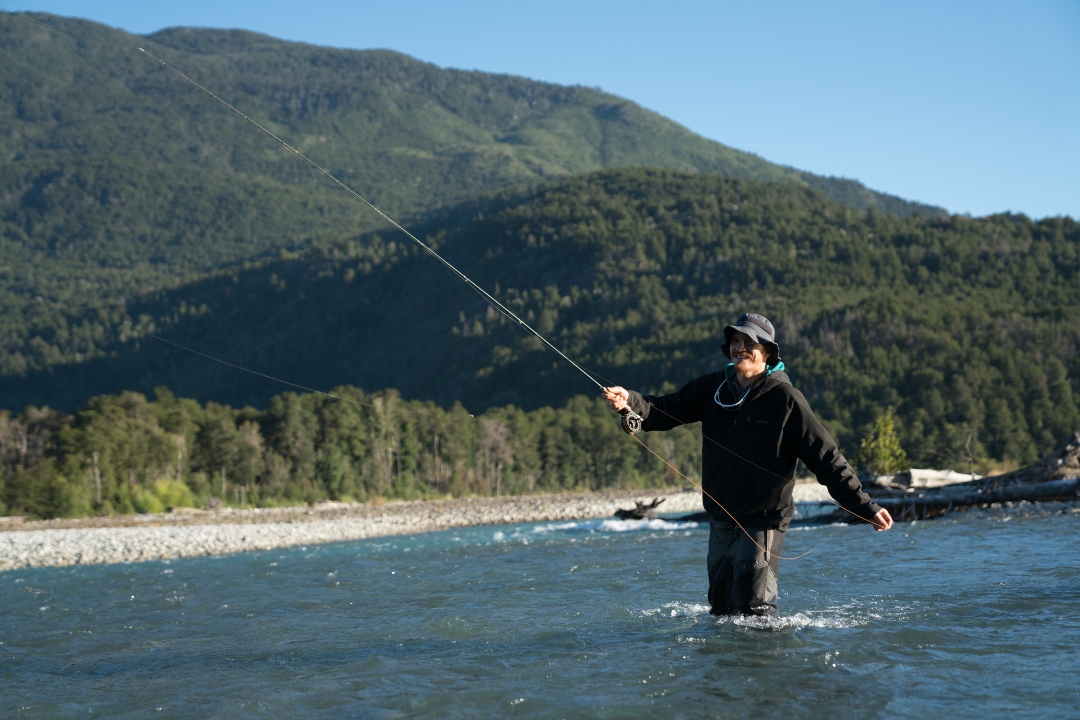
958 323
117 178
406 133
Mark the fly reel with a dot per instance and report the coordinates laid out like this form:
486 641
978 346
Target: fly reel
631 421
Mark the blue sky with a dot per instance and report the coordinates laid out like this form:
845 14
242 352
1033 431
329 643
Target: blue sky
974 106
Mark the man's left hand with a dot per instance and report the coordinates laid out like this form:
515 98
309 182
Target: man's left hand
883 520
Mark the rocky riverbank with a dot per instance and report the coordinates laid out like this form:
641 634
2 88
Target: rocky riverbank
135 538
189 533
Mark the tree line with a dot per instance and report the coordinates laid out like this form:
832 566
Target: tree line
126 453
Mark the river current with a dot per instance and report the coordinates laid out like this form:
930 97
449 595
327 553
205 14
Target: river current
976 615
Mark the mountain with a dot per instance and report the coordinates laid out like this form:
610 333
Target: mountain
407 134
118 178
969 328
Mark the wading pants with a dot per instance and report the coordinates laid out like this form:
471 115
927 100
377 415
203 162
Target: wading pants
742 578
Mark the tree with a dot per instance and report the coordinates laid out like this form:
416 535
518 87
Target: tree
495 451
880 452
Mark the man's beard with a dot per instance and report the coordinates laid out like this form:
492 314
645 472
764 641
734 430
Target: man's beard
744 364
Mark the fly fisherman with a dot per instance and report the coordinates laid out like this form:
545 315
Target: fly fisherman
755 428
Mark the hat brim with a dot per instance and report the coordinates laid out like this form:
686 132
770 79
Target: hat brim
754 333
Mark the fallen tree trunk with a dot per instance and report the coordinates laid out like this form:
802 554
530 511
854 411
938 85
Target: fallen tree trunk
643 511
1055 478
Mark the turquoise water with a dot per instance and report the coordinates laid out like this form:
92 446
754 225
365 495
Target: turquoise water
976 615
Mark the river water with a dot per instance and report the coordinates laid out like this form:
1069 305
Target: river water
976 615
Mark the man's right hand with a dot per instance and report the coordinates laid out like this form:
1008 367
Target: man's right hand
883 520
617 398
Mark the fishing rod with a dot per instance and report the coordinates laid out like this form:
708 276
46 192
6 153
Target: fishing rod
507 312
481 291
631 421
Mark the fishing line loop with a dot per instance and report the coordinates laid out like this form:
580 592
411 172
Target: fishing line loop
873 522
483 293
740 457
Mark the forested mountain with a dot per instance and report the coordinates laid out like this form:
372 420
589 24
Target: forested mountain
131 203
962 325
405 133
117 177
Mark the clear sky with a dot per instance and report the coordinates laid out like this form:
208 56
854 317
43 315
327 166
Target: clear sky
974 106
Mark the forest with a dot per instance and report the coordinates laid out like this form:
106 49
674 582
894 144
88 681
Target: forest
967 327
125 453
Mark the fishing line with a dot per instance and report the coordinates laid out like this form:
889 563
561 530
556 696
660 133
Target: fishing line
48 192
68 32
479 290
268 377
740 457
507 312
739 524
484 294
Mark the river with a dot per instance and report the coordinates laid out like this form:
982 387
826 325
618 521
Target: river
974 615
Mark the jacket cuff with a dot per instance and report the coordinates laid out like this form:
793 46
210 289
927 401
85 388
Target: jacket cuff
637 403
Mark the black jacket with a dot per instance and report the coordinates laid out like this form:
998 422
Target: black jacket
749 454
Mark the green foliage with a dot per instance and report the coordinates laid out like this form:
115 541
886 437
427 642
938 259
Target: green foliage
407 133
127 454
955 322
90 237
42 492
119 179
162 495
880 452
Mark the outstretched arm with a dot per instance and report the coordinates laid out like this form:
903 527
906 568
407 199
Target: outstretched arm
818 450
661 412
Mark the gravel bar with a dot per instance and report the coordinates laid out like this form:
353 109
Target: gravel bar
192 533
138 538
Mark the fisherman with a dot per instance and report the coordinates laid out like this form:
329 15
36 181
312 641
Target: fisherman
755 428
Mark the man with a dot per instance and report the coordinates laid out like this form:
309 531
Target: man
755 428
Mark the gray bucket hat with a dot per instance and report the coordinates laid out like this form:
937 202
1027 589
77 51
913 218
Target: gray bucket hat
760 331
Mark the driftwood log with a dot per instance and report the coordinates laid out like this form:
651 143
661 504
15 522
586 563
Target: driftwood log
642 511
1056 477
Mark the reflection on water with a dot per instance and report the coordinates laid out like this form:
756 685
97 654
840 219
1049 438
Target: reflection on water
974 615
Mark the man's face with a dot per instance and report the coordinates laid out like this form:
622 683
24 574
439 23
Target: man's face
748 356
